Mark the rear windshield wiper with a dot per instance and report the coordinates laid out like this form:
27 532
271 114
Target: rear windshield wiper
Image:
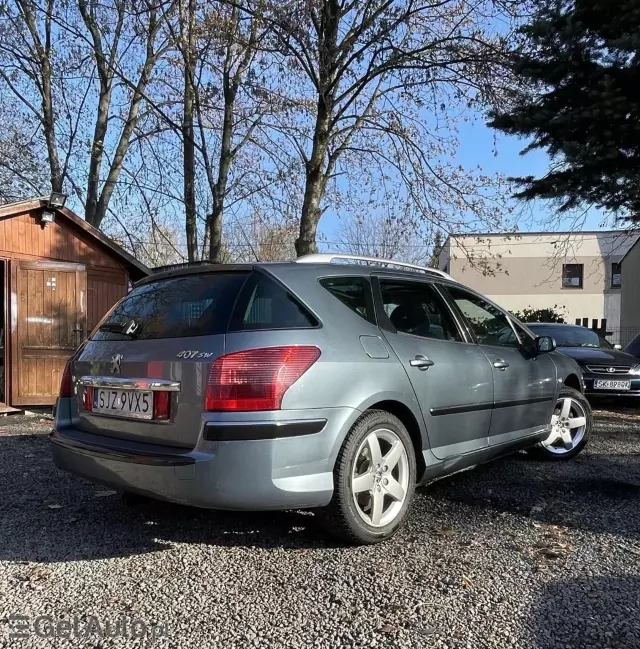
129 328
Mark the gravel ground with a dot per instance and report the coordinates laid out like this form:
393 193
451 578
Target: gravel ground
513 554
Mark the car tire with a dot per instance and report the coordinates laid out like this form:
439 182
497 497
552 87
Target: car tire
371 498
561 450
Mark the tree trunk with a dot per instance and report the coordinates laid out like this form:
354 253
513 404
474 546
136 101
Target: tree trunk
97 149
316 172
315 184
189 151
122 148
226 154
204 252
215 241
43 56
48 123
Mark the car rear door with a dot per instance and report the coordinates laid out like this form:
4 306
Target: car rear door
525 384
451 377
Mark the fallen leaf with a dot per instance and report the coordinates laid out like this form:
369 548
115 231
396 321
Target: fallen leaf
444 531
467 581
39 573
54 506
104 494
549 553
429 630
387 628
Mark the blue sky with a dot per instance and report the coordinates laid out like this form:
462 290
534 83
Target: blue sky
478 144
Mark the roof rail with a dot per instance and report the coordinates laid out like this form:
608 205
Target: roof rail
329 257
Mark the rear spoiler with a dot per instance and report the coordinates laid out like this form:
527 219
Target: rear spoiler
193 268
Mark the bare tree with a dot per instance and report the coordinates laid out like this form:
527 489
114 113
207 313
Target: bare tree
376 235
375 68
237 38
21 170
259 239
27 63
64 62
187 44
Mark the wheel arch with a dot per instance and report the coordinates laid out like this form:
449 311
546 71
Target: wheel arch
410 422
572 381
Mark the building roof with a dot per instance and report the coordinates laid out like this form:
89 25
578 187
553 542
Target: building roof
137 270
464 235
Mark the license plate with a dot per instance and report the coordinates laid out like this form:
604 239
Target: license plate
123 403
612 385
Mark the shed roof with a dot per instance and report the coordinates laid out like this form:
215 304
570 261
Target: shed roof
137 270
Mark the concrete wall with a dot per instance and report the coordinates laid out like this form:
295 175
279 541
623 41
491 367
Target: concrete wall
520 271
630 309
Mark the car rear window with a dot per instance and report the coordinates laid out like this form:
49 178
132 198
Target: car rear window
354 292
191 305
265 304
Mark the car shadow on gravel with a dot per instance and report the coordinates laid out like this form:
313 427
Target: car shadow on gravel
47 515
601 612
594 493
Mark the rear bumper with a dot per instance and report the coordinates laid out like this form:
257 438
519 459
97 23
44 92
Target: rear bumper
293 470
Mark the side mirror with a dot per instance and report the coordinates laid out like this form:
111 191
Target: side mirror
545 344
618 347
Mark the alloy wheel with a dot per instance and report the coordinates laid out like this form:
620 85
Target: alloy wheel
380 477
568 426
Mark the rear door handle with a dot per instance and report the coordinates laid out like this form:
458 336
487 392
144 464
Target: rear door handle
499 364
421 362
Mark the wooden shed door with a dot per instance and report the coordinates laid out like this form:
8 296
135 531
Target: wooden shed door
51 324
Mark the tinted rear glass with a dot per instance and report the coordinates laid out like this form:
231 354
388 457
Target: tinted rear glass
355 292
265 304
192 305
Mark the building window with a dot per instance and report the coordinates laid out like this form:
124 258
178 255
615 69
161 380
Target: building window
616 274
572 275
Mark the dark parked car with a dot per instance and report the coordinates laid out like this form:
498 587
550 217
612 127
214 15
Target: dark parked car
336 387
607 371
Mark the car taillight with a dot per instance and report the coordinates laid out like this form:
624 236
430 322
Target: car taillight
256 379
161 405
66 389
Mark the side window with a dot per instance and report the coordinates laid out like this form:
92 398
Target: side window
416 308
354 292
264 304
490 325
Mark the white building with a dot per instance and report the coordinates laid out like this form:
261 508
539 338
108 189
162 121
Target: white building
579 272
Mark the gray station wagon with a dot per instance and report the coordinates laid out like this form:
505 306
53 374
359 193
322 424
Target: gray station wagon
336 387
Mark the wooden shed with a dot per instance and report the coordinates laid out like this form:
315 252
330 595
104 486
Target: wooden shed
58 277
